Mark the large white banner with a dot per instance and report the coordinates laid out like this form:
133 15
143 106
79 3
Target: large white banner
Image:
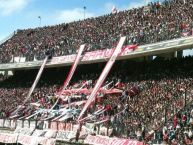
37 79
72 70
30 140
103 75
8 138
35 83
93 55
105 140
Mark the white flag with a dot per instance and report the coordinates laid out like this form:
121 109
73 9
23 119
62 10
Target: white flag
114 10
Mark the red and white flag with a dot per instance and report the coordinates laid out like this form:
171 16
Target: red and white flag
114 10
103 75
73 68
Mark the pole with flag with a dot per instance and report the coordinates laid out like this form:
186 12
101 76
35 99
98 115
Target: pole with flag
84 11
114 10
103 75
40 19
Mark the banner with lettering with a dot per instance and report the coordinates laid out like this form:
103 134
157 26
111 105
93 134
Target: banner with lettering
103 76
65 135
8 138
105 140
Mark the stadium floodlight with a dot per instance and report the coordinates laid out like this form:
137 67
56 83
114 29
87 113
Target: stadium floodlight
40 19
84 11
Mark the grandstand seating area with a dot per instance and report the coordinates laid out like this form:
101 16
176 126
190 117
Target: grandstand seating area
162 85
178 130
155 97
149 24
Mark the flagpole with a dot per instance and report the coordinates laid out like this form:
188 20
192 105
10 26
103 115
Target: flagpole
84 11
40 19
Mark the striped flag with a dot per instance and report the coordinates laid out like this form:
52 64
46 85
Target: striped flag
103 76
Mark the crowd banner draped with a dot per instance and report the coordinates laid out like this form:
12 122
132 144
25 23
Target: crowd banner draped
105 140
74 91
94 114
88 91
33 115
35 82
72 70
103 75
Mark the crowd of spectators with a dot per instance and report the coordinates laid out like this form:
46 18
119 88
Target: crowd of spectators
152 93
178 130
148 24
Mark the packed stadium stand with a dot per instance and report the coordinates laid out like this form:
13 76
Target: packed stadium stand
149 24
157 86
148 100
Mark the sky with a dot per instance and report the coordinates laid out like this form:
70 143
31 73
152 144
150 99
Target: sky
22 14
